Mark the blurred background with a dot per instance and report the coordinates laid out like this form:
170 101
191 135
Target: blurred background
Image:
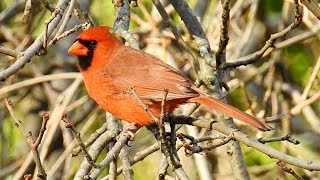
274 88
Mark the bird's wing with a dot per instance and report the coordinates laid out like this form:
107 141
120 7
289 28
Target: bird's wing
148 75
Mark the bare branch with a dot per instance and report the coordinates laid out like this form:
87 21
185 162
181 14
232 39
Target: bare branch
45 119
145 107
312 6
97 147
37 80
27 11
288 170
224 37
123 138
281 138
77 135
127 170
92 138
122 21
27 135
9 52
36 46
255 144
269 44
47 5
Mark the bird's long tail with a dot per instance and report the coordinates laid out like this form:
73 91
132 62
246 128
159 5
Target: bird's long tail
230 111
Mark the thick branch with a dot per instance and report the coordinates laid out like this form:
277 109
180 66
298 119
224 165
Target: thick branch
250 142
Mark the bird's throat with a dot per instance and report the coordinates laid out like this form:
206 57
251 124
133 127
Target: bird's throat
85 61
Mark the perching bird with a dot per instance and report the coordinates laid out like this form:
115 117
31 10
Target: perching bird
110 68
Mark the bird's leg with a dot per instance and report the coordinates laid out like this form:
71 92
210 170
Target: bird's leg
165 145
154 128
169 145
160 133
173 137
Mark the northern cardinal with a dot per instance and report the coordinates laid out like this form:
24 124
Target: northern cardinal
110 68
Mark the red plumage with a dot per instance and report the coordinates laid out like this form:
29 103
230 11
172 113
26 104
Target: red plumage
109 68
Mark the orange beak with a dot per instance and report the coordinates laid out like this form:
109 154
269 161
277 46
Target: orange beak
78 49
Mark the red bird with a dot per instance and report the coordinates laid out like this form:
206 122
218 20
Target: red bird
110 68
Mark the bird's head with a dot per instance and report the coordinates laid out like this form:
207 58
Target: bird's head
93 46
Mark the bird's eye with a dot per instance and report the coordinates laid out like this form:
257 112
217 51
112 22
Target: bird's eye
93 43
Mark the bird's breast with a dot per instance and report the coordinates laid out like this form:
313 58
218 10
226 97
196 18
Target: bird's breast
99 87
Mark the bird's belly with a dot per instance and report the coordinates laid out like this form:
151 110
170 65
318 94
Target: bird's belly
129 109
124 105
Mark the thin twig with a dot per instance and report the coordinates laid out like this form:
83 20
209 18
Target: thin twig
67 17
281 164
312 6
76 28
54 14
92 138
37 80
281 138
145 107
198 140
311 79
253 143
200 41
45 119
99 145
27 13
77 135
198 149
123 138
35 47
269 44
66 153
139 156
27 135
297 109
166 149
169 22
224 37
193 147
47 5
9 52
163 168
9 169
